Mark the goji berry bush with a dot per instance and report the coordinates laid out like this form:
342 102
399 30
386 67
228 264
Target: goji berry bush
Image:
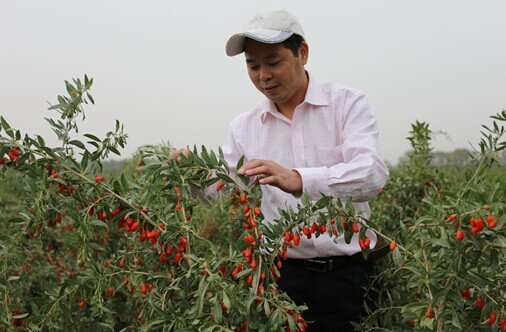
181 244
451 273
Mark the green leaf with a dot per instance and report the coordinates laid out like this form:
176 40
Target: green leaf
54 107
226 299
95 144
70 88
267 308
49 152
443 240
348 233
222 158
92 137
202 289
427 322
84 161
114 150
41 141
77 143
217 312
456 320
478 278
7 128
98 223
323 202
413 307
96 246
16 220
4 123
224 177
240 163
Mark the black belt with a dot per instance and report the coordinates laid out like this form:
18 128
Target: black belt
325 264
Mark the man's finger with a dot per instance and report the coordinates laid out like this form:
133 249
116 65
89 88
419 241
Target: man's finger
177 153
260 170
267 180
249 165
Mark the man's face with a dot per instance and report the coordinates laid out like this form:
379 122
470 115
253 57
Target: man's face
276 72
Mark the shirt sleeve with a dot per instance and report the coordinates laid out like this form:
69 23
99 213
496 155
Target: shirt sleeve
362 173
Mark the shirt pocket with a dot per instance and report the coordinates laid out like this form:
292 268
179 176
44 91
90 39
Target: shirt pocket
329 156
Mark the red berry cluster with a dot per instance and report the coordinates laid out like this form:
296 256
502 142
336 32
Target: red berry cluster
480 304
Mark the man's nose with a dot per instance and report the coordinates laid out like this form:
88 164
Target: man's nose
265 73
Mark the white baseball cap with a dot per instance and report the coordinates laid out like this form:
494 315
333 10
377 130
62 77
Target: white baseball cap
270 26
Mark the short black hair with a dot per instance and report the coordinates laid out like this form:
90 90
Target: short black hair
293 44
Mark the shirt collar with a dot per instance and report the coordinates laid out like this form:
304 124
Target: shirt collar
314 96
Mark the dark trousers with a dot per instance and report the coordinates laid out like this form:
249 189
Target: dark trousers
334 298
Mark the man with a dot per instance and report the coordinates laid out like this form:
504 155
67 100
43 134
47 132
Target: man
307 137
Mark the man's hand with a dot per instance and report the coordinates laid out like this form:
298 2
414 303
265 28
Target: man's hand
177 153
268 172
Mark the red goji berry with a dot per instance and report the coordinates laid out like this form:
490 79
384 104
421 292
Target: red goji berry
177 258
492 318
367 242
296 239
220 185
479 303
244 198
491 221
134 226
246 253
249 238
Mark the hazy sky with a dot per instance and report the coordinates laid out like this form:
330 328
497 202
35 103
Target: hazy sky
160 67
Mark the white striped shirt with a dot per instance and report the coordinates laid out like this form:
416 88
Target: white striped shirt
332 141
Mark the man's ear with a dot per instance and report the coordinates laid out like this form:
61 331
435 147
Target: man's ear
304 52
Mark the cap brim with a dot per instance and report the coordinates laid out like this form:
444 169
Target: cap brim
235 44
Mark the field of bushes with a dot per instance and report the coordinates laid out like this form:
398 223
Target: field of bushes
144 249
